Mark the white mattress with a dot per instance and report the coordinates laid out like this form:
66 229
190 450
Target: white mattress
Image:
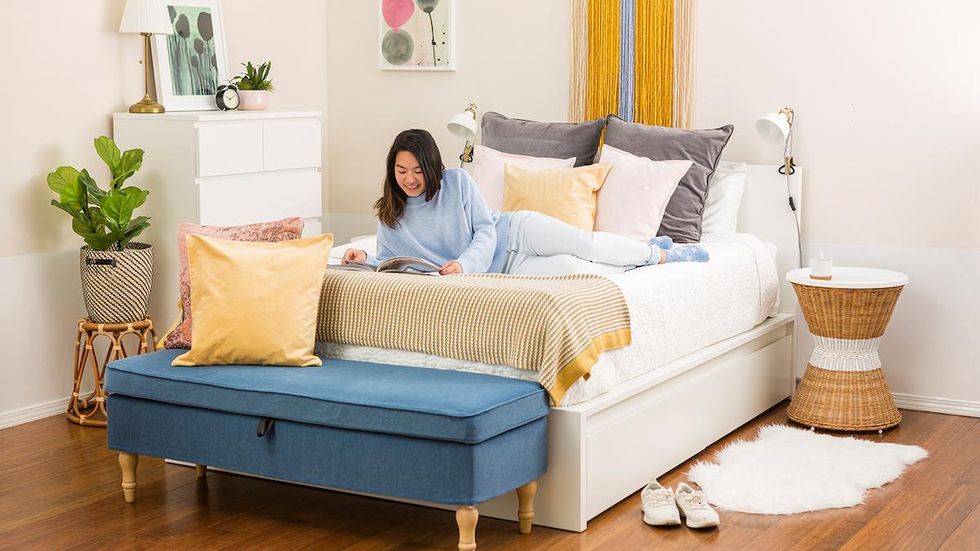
675 309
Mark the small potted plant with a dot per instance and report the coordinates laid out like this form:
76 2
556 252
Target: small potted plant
254 86
116 271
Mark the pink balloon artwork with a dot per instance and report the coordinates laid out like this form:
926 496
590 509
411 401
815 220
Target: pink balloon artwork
397 12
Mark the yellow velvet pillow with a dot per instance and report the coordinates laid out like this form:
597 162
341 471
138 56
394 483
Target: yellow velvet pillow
255 302
568 194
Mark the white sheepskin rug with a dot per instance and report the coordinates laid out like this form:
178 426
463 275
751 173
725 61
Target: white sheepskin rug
788 470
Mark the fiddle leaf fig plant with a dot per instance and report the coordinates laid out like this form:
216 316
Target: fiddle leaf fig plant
102 218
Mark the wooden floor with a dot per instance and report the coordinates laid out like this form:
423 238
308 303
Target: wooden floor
59 489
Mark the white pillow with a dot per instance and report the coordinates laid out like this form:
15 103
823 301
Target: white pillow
632 200
725 189
488 171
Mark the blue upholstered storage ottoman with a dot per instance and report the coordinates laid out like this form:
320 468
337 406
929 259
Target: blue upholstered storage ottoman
441 436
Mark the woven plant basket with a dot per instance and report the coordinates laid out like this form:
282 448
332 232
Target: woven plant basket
116 284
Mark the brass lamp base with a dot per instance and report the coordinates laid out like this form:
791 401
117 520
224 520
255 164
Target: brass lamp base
146 105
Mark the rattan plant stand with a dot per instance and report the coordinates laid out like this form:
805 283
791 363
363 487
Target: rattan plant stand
89 410
844 386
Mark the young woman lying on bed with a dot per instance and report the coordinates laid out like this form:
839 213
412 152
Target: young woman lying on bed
438 214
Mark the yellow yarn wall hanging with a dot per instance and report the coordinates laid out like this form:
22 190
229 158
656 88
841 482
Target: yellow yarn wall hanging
647 28
602 93
654 61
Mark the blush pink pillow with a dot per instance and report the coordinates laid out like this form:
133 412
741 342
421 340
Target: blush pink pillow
632 201
278 230
488 171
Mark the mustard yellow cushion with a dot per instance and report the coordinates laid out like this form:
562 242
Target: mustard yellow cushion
568 194
254 302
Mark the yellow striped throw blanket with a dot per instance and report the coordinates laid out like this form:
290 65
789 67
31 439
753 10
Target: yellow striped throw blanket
554 325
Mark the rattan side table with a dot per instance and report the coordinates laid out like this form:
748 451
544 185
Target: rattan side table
844 386
90 410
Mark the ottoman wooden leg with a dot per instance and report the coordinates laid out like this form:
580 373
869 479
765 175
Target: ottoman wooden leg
127 462
466 518
202 470
525 505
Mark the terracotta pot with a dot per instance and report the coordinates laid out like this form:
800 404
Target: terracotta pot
253 100
116 284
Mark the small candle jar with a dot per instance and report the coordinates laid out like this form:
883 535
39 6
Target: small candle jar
821 268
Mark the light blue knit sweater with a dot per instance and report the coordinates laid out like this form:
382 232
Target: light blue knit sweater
455 225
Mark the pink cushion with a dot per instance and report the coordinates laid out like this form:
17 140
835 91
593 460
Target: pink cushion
633 199
278 230
488 171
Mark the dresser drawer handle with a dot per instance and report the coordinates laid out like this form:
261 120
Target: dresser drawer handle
264 427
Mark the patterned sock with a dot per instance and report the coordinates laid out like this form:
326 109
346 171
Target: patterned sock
687 253
664 242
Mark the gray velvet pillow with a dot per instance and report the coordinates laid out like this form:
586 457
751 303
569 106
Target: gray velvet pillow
682 219
559 140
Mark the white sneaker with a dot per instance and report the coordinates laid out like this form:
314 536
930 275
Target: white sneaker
659 508
693 506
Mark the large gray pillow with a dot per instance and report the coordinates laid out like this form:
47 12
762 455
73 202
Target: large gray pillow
558 140
682 219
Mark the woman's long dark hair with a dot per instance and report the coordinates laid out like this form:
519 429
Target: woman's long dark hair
391 206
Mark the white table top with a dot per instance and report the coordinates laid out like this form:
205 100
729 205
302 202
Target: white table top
845 277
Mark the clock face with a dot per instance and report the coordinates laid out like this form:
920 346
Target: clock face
230 98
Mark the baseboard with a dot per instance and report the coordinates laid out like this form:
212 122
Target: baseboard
32 413
933 405
937 405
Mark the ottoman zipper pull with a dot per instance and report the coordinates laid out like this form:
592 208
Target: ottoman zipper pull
265 425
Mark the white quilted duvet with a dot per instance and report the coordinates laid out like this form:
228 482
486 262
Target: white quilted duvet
675 309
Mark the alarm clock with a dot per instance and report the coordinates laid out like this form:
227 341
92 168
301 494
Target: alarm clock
227 97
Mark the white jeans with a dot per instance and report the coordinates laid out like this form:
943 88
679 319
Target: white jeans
541 245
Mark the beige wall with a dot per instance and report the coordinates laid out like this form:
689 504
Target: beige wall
886 112
68 70
886 95
511 57
886 102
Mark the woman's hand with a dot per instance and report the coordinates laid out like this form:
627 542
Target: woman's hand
354 255
451 267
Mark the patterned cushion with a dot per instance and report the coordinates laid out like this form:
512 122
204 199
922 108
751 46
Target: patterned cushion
278 230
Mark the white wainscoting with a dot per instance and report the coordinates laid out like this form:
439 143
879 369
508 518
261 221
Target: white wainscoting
42 304
346 225
937 405
33 413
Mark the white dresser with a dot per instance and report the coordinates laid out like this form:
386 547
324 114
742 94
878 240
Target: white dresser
220 169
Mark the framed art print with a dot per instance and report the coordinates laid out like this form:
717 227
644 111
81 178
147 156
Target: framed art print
190 63
417 35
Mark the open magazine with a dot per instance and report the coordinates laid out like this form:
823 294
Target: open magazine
398 264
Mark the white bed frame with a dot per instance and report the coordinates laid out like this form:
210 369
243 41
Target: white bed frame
603 450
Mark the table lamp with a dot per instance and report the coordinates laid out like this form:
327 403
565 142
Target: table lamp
778 127
463 126
146 17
